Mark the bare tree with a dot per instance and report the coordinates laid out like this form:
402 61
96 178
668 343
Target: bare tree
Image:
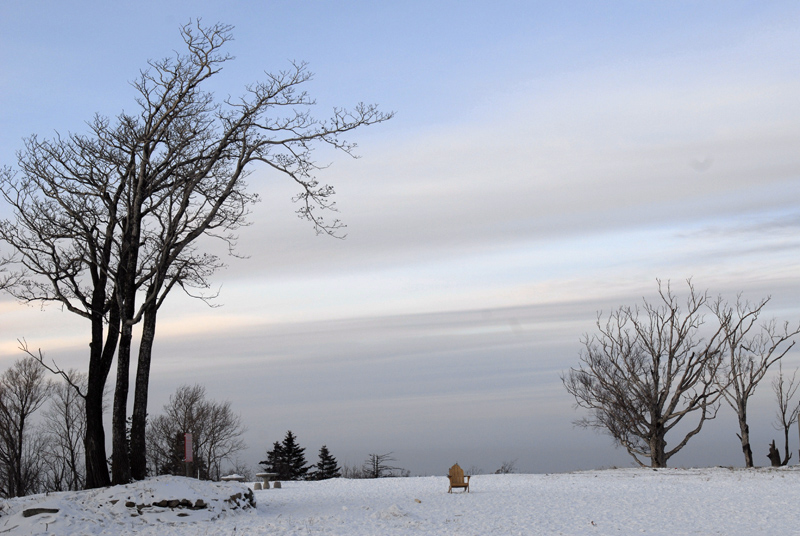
65 215
23 390
64 426
787 409
376 466
104 219
193 155
222 436
353 471
507 467
750 350
646 371
216 432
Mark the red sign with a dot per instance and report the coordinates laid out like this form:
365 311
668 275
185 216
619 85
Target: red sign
187 452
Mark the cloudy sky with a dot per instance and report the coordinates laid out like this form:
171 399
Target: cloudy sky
548 160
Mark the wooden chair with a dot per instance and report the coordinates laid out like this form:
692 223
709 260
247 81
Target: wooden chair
457 479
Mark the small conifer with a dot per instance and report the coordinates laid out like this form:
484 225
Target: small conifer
326 467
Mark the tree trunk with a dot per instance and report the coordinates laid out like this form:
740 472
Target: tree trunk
744 436
120 462
774 456
100 358
658 447
786 454
139 424
126 283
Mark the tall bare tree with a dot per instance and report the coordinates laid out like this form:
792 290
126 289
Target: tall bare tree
647 371
65 202
788 410
104 219
750 350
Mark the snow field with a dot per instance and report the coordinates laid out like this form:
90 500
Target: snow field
616 501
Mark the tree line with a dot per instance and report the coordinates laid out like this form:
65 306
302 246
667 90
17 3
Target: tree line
107 223
662 364
287 460
43 422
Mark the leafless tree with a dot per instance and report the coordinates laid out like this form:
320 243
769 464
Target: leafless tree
107 218
193 155
750 350
787 409
23 390
647 370
65 215
376 466
64 426
507 467
353 471
216 430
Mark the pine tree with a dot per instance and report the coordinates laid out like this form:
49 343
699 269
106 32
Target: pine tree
288 459
275 462
327 467
294 457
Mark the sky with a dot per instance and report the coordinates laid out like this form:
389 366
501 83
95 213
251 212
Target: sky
547 161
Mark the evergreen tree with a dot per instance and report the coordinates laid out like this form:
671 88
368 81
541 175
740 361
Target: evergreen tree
326 467
275 462
288 459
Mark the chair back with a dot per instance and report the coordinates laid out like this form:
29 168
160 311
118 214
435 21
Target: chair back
456 475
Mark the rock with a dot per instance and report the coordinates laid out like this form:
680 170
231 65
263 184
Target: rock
173 503
200 503
130 504
36 511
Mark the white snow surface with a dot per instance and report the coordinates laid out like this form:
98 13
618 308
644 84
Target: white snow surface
614 501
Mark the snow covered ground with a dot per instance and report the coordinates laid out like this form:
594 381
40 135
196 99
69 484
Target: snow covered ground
615 501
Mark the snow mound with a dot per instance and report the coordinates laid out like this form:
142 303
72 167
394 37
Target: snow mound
390 513
166 500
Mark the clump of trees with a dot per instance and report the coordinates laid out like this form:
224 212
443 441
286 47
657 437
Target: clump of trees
23 390
42 425
63 430
654 367
41 431
107 223
216 434
749 350
287 459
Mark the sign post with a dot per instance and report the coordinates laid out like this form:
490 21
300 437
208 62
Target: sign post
187 453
